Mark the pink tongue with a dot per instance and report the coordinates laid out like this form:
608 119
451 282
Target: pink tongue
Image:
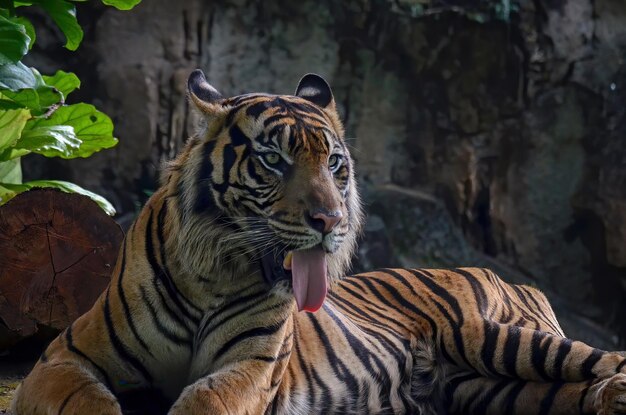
308 269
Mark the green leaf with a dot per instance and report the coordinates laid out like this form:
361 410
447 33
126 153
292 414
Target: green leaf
7 104
12 153
9 190
27 87
16 76
12 123
72 188
64 15
13 41
51 141
30 29
64 82
122 4
11 171
92 127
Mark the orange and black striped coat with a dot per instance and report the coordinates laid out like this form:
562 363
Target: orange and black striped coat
257 219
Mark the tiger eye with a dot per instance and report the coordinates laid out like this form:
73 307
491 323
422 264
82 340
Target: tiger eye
272 158
334 161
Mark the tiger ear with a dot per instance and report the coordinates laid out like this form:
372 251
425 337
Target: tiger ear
314 88
206 98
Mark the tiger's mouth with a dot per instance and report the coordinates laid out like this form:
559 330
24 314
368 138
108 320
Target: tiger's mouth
306 269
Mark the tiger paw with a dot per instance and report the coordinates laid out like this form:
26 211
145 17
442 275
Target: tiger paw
198 399
611 397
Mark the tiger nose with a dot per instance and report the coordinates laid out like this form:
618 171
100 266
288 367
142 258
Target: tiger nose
324 221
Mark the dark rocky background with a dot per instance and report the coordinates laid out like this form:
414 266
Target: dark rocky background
486 132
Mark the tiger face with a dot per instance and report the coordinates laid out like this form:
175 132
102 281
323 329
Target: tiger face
279 172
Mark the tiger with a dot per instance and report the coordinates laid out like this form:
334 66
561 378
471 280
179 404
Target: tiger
229 297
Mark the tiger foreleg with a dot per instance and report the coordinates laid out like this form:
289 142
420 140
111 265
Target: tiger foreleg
247 371
474 394
63 387
241 389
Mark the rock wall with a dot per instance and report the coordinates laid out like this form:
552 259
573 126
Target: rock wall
485 135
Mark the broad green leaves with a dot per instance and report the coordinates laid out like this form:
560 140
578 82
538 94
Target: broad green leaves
71 131
11 171
64 15
83 125
13 41
52 141
64 82
12 123
30 29
122 4
26 87
33 114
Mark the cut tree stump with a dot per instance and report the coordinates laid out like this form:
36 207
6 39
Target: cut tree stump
57 252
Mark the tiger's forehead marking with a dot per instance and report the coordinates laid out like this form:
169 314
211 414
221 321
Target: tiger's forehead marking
284 123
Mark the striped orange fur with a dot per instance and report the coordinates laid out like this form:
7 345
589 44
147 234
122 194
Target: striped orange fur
200 315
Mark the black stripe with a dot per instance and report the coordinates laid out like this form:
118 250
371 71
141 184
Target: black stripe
522 297
539 310
453 384
167 308
454 325
548 400
390 347
122 296
512 396
488 398
237 137
363 353
327 397
271 359
156 321
204 199
161 238
507 311
274 118
305 108
255 332
340 370
590 362
252 172
565 346
239 312
427 279
163 275
479 293
400 300
312 395
539 352
70 346
255 110
583 395
119 346
490 343
249 300
510 350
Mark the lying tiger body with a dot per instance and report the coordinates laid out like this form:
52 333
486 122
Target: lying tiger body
253 219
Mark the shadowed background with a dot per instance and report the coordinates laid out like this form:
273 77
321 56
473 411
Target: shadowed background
486 133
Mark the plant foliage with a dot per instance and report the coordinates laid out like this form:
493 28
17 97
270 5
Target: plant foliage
34 117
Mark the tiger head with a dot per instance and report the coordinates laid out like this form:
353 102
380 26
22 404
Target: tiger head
274 175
